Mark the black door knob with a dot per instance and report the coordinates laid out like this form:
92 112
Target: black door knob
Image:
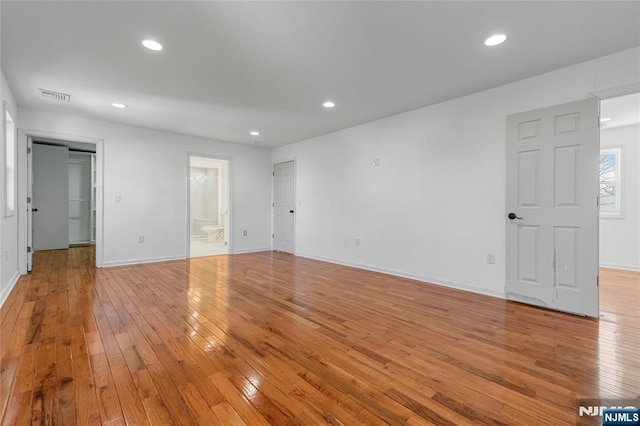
290 211
34 210
513 216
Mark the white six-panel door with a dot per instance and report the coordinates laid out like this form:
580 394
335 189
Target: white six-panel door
283 206
552 203
30 247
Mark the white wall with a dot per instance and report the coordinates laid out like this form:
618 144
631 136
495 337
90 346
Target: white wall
8 225
436 204
620 237
148 170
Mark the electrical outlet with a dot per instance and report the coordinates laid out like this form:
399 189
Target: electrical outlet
491 258
357 242
245 233
140 238
117 198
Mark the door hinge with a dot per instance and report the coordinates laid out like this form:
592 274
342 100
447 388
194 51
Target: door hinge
28 150
598 281
28 199
273 204
597 201
28 249
273 235
273 173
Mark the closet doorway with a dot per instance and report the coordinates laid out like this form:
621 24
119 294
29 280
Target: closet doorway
64 194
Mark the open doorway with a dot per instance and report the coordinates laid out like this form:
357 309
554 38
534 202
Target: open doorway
620 182
81 176
64 194
208 206
570 262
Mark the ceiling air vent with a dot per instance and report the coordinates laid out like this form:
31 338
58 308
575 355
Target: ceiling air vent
55 95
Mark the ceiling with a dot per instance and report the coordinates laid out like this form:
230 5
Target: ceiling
231 67
621 110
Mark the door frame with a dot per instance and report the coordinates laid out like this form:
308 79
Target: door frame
604 95
295 198
230 209
25 138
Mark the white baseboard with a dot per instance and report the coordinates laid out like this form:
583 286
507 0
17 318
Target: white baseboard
12 283
111 263
253 250
623 267
427 280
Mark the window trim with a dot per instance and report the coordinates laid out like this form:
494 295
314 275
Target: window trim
618 213
10 173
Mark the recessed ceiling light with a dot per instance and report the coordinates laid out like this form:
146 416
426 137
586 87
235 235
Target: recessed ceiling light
254 133
329 104
495 40
605 119
152 44
118 105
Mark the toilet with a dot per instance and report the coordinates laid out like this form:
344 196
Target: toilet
214 232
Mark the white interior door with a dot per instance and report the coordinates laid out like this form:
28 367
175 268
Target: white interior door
552 202
50 197
29 204
283 206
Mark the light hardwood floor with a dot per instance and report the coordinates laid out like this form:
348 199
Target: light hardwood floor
269 338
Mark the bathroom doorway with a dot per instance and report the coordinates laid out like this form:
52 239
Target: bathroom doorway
208 206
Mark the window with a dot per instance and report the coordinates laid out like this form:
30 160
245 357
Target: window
9 164
610 190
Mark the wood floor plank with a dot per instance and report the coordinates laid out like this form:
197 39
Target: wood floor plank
157 412
18 411
226 415
105 393
238 401
85 389
270 338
